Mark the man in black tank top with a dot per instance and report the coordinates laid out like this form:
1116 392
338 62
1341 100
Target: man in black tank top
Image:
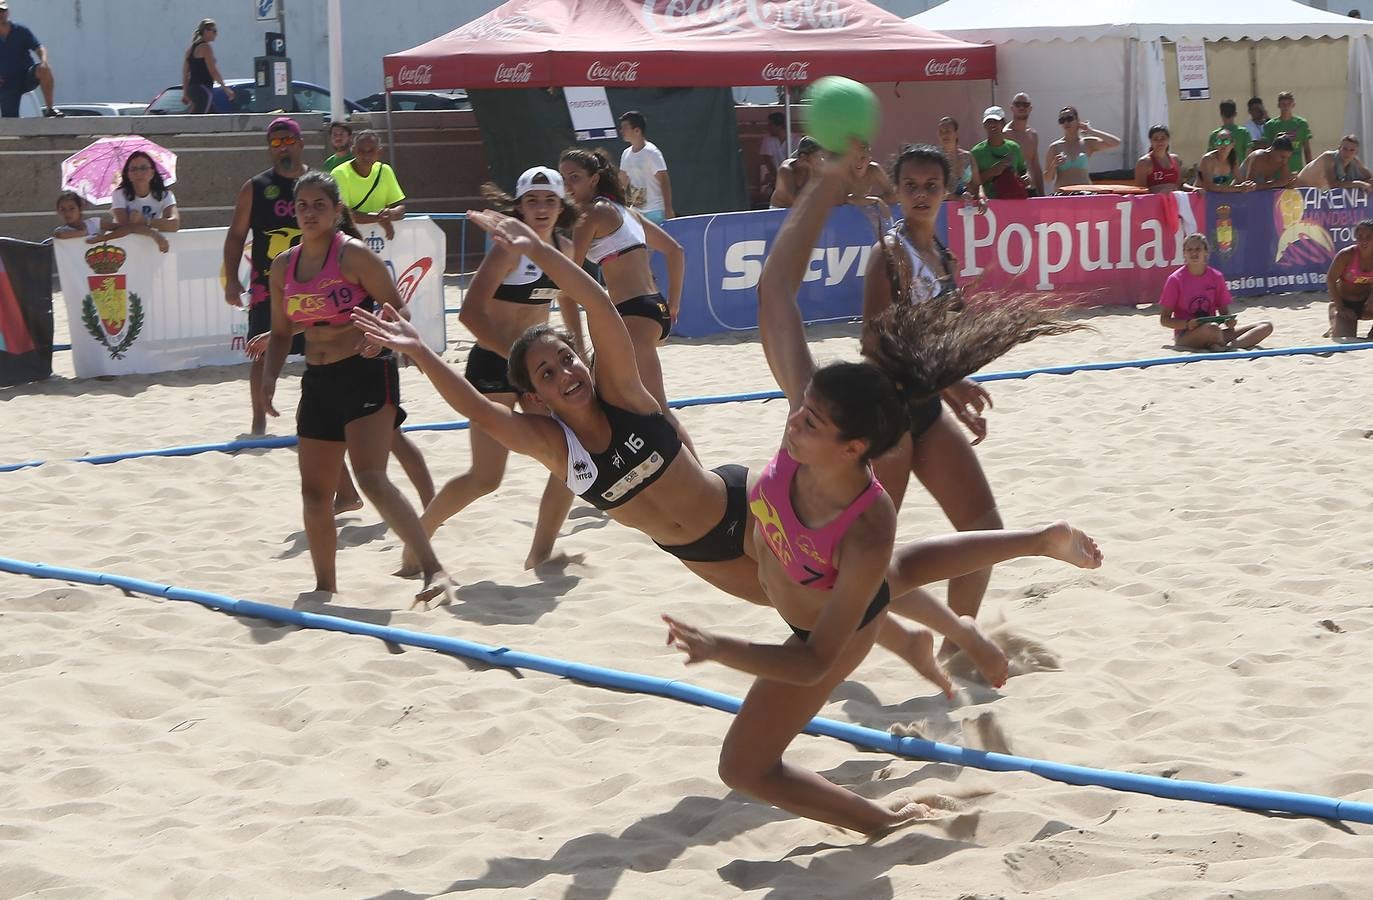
265 207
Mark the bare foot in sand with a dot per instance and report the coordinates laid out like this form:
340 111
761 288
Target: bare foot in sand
919 652
1063 541
990 659
439 590
537 557
343 504
409 564
903 812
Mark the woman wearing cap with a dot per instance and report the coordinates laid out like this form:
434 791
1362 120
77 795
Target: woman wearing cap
1066 160
794 173
508 295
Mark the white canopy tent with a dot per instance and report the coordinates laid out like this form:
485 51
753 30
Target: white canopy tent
1108 59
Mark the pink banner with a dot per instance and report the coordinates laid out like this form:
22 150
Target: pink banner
1100 250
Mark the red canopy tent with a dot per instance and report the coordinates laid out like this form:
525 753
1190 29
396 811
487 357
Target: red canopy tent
684 43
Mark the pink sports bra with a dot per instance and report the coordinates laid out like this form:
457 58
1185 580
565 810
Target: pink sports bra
1355 275
806 553
326 299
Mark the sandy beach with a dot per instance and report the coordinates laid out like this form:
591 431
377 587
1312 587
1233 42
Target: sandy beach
159 749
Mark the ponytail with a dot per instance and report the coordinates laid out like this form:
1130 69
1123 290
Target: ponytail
346 223
597 162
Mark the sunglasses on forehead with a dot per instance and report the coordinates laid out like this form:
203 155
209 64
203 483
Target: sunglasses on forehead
284 141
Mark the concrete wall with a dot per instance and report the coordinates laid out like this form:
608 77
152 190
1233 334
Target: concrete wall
105 50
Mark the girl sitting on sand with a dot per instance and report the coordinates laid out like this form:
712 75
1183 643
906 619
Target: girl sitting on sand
1196 305
1349 283
824 527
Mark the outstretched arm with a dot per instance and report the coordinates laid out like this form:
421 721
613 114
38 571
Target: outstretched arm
536 436
617 372
779 318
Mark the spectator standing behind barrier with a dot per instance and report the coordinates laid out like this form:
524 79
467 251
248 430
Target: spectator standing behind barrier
1219 169
70 207
965 179
642 168
1019 130
199 72
1258 117
1268 167
1340 168
19 72
369 187
794 173
772 152
870 183
1294 128
1349 283
1195 297
1067 159
1160 170
341 142
1001 163
1239 134
141 204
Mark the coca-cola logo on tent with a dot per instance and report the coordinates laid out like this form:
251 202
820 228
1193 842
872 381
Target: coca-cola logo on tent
414 76
513 73
735 15
957 67
618 73
507 29
786 72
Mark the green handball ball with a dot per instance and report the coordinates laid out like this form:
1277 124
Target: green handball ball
841 108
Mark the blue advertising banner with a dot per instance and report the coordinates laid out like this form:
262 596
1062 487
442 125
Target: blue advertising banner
1265 242
724 260
1272 242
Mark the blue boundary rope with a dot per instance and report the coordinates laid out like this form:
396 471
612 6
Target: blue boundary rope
616 679
271 443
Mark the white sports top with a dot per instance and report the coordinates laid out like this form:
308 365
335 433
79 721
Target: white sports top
629 236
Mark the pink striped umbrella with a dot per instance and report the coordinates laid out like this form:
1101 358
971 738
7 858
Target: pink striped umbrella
94 172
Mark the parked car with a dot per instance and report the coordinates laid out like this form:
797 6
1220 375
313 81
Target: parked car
305 97
412 100
103 109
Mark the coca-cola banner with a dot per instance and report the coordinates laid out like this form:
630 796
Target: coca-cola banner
1099 250
685 43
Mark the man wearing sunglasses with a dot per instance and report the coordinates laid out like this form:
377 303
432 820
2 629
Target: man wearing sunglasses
266 208
1019 130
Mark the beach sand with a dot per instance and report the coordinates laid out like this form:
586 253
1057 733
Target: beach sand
154 748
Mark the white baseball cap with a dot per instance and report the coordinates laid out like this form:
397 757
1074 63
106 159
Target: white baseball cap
540 178
993 112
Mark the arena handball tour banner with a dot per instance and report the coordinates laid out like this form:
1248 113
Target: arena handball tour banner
25 311
132 309
1094 250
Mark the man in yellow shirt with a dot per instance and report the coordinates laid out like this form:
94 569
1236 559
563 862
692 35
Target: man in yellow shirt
368 186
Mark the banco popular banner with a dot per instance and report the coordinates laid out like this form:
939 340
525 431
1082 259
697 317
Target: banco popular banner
1098 250
131 309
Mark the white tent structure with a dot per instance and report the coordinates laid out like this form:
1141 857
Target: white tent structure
1115 61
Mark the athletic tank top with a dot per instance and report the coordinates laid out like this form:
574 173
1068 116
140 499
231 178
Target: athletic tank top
273 222
328 298
629 236
1354 274
1159 175
640 450
199 68
927 283
527 284
806 553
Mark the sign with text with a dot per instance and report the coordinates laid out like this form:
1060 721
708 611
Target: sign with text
1193 82
592 119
